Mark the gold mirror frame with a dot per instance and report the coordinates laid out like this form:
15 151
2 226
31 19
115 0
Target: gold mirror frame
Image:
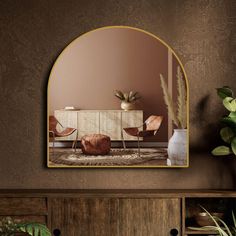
187 88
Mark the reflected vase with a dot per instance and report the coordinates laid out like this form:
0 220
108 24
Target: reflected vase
127 105
177 148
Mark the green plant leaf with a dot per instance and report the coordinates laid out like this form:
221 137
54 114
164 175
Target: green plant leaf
233 104
233 145
230 104
204 228
224 224
232 114
224 92
234 219
227 134
216 219
230 121
221 151
35 229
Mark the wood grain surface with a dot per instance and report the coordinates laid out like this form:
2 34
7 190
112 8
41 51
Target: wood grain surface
112 216
111 212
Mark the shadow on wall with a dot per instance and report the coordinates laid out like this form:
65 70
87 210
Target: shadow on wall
208 135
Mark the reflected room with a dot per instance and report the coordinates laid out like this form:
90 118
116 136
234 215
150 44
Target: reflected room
117 97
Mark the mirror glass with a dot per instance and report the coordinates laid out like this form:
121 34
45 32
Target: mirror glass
117 97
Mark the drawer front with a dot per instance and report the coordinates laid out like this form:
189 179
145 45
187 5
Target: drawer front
85 216
110 124
150 217
88 123
22 206
116 216
131 119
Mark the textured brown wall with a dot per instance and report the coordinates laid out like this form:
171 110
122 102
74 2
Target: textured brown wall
33 33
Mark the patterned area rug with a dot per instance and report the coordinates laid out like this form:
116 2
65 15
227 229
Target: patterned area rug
116 157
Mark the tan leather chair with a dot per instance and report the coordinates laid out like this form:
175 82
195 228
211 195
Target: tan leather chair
53 132
150 128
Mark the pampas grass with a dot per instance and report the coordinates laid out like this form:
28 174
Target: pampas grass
169 101
179 115
182 98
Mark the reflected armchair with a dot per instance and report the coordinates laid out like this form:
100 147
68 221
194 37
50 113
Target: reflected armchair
53 132
150 128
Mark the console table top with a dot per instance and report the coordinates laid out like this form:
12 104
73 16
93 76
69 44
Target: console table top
120 192
114 110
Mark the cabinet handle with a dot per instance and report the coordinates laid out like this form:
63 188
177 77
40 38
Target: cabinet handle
174 232
56 232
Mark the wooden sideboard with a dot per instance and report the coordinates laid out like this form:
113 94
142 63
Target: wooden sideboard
108 122
111 212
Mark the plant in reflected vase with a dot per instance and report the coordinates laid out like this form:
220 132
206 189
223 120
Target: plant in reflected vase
177 145
127 99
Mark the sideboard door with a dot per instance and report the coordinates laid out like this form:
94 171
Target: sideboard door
116 216
88 122
110 124
152 217
131 119
84 216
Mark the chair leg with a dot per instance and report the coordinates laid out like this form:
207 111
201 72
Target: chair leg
138 147
53 143
123 140
76 139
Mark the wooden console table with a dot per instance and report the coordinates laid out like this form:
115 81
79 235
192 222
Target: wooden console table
111 212
108 122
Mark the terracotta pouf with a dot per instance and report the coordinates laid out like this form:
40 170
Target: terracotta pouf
95 144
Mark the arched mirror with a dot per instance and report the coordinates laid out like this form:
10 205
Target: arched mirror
117 97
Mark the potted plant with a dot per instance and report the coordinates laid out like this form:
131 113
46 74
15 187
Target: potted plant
9 227
177 145
228 131
219 226
127 99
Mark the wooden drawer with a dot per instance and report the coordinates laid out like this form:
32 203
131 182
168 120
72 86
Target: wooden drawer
131 119
88 123
23 206
110 124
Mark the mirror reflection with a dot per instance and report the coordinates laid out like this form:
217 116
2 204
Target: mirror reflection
117 97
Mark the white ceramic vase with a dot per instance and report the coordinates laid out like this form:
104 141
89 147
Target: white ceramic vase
177 148
127 105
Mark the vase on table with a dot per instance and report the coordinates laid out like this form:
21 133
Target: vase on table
177 148
127 105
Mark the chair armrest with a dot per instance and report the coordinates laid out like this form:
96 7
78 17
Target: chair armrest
133 131
146 133
60 124
141 126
